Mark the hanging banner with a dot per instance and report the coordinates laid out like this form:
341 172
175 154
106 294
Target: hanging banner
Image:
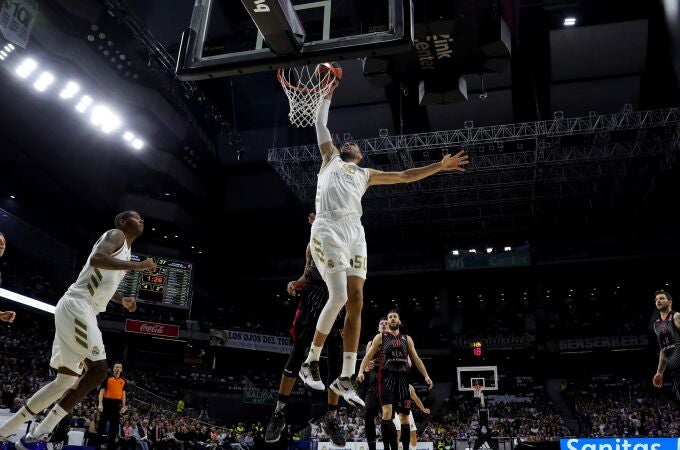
250 341
463 260
258 397
152 328
16 20
604 342
495 341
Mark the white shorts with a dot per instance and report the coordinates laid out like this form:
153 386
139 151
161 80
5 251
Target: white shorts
339 244
77 336
411 422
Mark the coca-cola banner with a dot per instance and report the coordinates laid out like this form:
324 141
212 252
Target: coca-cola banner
152 328
250 341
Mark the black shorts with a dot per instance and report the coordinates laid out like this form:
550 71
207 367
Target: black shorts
314 298
333 346
393 390
371 400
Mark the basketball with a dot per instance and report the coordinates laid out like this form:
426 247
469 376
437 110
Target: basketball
332 67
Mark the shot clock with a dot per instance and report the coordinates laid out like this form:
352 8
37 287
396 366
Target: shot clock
476 348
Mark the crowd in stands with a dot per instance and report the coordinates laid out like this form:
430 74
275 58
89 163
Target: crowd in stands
623 409
600 409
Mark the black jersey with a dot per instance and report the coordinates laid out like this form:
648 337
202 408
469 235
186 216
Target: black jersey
668 336
313 298
315 293
394 353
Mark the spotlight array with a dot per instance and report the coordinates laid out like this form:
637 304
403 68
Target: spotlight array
100 115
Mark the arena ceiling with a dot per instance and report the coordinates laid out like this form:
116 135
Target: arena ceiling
204 175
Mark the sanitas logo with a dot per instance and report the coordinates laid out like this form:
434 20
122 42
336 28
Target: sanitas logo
261 6
621 444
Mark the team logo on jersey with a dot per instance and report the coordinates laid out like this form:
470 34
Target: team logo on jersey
95 351
330 263
348 169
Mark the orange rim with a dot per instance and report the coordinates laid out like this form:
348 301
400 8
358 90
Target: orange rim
324 82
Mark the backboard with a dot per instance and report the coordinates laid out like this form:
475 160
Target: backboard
223 39
469 376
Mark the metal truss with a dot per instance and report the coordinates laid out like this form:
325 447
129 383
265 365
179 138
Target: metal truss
587 125
516 171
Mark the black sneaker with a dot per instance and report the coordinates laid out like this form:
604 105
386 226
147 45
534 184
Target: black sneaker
332 428
311 376
275 427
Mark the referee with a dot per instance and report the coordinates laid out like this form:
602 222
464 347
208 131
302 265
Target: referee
111 405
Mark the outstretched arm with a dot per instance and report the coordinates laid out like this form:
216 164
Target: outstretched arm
455 162
417 361
323 136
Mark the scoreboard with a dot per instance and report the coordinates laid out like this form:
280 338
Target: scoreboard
169 285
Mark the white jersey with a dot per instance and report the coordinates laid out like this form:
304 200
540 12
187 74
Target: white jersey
340 187
97 286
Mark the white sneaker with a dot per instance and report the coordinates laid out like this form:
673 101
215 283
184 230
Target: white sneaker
347 388
311 376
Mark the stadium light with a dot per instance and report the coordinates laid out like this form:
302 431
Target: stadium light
69 91
104 119
83 104
43 82
472 250
569 21
455 252
137 144
507 249
26 68
28 301
101 116
489 249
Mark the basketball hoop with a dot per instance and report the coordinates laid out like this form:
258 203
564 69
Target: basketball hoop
306 87
477 390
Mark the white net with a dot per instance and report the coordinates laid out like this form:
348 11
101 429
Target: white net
305 87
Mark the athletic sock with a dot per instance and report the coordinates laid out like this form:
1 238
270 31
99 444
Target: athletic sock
405 436
50 421
314 354
349 362
17 419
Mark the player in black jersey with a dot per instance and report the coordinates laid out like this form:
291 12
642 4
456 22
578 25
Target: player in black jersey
369 391
313 293
393 377
667 329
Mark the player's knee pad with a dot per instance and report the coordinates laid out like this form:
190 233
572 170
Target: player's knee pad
337 297
51 392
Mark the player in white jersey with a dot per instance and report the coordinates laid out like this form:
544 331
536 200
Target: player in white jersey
78 342
338 244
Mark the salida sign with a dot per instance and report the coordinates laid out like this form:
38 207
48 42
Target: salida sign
152 328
